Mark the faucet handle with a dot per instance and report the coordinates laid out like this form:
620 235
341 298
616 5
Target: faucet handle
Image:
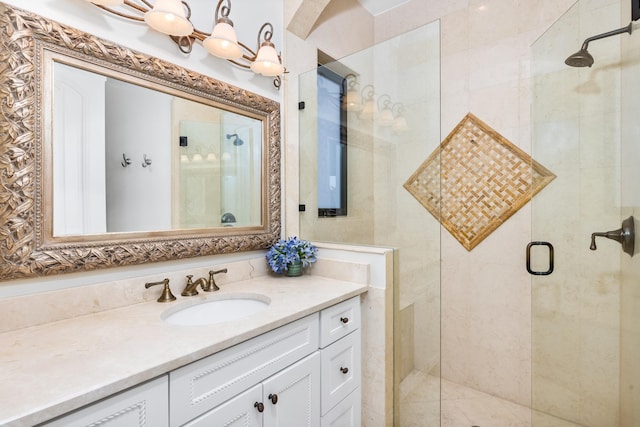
211 284
190 288
166 295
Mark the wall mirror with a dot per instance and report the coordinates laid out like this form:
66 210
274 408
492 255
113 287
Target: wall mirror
110 157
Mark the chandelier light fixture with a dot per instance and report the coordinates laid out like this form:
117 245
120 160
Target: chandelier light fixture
173 17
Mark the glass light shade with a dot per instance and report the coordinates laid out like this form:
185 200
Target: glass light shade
107 2
386 117
400 124
369 109
267 62
353 100
168 17
223 42
197 157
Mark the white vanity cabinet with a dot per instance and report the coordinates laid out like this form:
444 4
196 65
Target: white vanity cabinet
323 387
141 406
303 374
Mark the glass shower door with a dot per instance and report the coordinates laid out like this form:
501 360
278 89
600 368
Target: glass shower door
390 113
580 358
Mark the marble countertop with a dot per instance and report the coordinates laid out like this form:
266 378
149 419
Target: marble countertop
54 368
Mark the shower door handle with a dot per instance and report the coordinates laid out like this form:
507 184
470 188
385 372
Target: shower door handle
540 273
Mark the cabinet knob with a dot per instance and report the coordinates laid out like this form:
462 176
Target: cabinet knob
259 406
273 398
344 370
344 320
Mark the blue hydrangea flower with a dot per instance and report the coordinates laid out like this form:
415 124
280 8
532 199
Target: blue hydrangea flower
290 251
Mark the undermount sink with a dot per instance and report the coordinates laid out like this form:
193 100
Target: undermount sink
211 311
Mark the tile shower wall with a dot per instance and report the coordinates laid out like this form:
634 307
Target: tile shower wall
486 339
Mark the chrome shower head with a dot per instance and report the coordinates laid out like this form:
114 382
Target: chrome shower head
583 58
237 141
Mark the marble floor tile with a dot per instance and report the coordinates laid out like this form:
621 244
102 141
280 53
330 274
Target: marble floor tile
420 406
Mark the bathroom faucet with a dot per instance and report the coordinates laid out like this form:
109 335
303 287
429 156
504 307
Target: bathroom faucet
191 288
211 283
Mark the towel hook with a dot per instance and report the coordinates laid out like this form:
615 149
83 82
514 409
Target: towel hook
126 161
146 162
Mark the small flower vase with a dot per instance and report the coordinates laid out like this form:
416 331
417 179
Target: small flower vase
294 270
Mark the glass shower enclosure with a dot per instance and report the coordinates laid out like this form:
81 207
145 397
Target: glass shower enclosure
369 122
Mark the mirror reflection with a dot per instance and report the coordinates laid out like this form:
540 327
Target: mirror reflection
129 158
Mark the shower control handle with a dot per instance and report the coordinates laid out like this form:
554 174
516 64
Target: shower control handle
624 235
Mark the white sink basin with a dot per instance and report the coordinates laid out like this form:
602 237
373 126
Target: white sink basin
211 311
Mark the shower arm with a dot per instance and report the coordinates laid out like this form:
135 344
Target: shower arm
626 29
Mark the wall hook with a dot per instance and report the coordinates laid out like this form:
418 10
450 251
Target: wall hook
126 161
146 162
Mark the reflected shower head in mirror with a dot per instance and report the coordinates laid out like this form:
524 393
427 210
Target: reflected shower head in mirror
583 58
237 141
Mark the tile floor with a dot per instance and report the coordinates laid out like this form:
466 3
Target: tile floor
462 407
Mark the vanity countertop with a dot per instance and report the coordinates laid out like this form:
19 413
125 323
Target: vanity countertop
54 368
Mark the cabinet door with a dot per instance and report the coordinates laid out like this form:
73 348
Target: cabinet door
296 393
142 406
241 411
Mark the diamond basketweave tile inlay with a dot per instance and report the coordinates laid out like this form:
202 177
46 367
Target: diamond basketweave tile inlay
484 179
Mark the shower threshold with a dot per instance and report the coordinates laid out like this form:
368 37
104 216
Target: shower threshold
462 406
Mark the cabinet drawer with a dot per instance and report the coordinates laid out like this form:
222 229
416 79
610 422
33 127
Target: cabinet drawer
239 411
341 367
347 413
202 385
143 405
339 320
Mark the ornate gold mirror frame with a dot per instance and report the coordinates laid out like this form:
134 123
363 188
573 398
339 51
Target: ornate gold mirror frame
24 247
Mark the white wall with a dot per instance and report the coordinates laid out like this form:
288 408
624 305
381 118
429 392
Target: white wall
138 198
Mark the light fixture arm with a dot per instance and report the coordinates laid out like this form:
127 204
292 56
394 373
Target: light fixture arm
386 101
368 92
349 82
223 10
267 34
